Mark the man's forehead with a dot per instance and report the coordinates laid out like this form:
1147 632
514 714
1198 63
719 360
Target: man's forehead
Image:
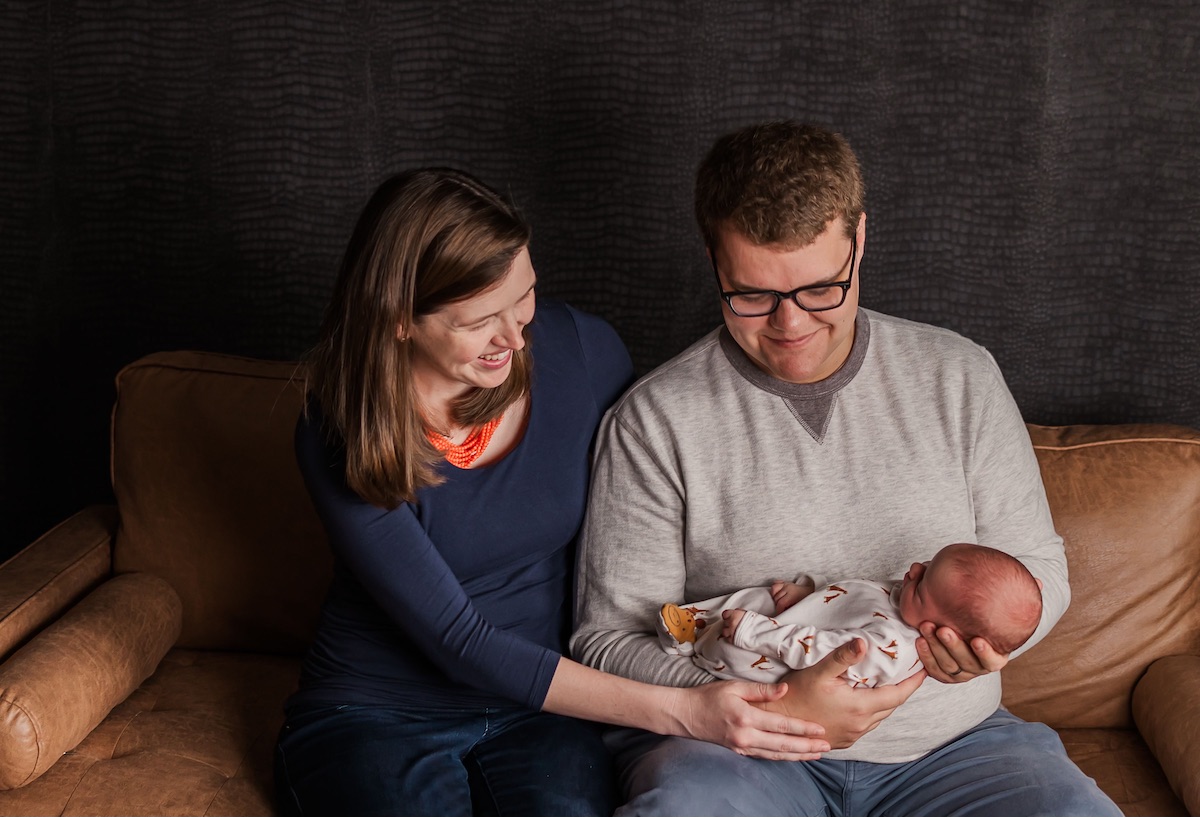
798 237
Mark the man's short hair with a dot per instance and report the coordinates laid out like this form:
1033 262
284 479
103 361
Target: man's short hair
778 183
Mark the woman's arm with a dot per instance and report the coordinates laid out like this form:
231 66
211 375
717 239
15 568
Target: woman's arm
719 712
407 577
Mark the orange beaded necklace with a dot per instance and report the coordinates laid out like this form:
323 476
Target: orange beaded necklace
470 449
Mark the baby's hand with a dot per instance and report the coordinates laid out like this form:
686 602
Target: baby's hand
786 594
732 619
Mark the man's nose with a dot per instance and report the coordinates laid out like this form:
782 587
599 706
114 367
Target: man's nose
789 314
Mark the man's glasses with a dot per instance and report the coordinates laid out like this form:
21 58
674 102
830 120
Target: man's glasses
813 298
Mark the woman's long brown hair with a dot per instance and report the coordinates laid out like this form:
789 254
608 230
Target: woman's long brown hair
425 239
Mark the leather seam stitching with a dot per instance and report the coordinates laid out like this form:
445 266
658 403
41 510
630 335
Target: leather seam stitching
1173 440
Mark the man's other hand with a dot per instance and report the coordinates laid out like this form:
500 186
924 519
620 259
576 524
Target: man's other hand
819 694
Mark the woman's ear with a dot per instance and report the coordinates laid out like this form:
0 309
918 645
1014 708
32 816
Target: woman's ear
400 336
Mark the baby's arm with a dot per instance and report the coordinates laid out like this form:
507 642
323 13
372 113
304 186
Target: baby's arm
783 593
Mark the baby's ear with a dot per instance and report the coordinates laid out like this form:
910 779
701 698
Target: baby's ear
1040 585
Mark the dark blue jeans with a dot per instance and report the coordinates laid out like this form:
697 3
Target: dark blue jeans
361 760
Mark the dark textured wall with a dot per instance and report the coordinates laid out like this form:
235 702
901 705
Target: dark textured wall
177 174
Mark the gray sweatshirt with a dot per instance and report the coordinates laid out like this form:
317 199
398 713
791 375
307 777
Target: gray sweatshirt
712 476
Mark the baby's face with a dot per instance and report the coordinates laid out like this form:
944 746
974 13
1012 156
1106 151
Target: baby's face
925 584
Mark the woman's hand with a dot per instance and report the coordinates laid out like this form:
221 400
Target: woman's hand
947 658
723 712
821 695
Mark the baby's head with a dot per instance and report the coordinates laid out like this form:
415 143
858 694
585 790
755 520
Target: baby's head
976 591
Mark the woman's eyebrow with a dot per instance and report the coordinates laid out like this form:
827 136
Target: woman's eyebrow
494 314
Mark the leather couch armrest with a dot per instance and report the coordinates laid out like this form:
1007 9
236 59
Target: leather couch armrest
1166 709
44 579
57 688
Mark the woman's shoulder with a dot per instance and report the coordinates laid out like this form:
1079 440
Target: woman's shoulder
560 318
562 331
314 442
568 328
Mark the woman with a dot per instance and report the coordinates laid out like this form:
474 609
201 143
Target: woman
450 471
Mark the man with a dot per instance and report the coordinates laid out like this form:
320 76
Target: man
810 434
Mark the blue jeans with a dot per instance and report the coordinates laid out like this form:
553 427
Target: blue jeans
352 760
1004 767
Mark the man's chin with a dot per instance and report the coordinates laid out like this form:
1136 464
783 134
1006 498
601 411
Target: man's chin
793 371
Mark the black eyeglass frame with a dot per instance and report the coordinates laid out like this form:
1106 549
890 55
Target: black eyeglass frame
779 296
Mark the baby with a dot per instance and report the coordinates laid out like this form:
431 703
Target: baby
976 591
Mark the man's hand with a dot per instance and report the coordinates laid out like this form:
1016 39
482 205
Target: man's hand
947 658
820 695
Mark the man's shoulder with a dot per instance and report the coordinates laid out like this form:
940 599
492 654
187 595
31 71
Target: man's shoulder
934 345
905 329
691 371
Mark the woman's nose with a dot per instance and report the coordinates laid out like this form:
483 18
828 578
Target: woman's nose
510 332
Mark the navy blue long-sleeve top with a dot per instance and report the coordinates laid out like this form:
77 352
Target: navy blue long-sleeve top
463 599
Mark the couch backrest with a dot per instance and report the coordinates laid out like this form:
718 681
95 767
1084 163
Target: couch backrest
1127 501
210 498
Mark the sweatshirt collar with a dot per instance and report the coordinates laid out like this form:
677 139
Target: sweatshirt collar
801 391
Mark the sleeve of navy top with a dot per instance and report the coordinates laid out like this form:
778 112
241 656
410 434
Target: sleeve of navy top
393 558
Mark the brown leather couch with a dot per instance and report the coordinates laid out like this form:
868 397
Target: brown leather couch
146 648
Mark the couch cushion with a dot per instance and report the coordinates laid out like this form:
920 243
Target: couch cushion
211 499
1127 501
196 738
1124 769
